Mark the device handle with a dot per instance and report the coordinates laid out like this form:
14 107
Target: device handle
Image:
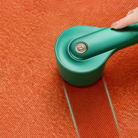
102 41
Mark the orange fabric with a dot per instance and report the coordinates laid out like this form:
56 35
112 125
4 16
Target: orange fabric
32 100
92 111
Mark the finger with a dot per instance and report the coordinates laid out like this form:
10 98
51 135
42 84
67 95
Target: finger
128 20
130 12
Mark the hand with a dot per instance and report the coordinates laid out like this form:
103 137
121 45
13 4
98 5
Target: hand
131 18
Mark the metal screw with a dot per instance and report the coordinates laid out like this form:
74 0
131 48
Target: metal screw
81 47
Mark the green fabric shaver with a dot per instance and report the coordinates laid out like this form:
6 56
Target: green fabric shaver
82 51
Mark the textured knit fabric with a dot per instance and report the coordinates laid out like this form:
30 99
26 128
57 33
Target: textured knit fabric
32 99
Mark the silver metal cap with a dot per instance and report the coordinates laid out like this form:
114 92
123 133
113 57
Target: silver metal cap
81 47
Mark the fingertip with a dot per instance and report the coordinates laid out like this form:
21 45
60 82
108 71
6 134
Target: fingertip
114 25
131 18
122 23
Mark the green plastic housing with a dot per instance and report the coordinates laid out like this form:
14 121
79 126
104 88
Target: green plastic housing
83 69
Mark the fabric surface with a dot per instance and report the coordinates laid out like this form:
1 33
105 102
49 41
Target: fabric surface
92 111
32 100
